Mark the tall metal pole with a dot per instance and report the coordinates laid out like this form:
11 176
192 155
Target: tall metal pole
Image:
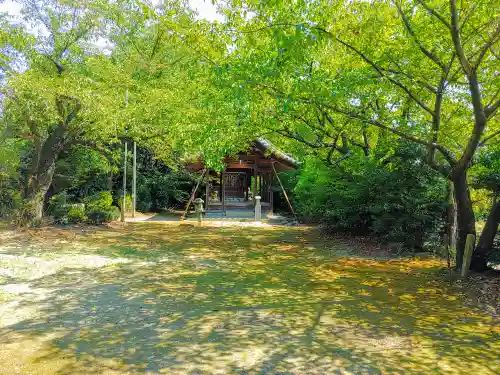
124 204
134 168
134 180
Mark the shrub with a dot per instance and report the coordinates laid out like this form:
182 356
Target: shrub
76 213
59 208
144 200
103 215
128 202
10 201
401 201
101 200
100 209
158 190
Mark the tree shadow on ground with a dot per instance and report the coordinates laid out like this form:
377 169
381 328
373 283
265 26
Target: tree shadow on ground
198 300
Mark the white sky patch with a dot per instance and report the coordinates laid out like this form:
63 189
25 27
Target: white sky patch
10 7
206 10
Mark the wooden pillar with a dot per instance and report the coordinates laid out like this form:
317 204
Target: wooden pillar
223 193
271 194
220 186
207 190
263 190
284 192
249 184
268 187
255 174
193 194
259 183
265 194
262 187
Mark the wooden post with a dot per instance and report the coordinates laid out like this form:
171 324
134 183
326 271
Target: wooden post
254 187
268 187
263 192
223 194
193 193
134 180
220 187
207 190
248 184
124 204
271 194
259 186
284 191
469 248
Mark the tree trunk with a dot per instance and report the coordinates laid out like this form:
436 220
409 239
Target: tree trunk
450 228
46 153
109 182
39 178
485 244
38 185
465 214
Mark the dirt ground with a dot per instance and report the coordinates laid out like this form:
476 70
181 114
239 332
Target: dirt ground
170 298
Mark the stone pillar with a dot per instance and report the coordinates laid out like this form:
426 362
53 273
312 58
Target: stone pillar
258 209
198 209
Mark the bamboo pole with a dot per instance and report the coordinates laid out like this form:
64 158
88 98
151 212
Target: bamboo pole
193 192
284 192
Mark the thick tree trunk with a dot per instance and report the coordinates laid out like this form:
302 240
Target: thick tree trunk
38 185
485 243
34 209
451 218
465 214
39 178
46 153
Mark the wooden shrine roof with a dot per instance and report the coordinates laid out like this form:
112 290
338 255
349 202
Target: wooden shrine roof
263 154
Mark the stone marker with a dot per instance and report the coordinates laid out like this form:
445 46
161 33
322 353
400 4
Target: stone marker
469 248
198 208
258 209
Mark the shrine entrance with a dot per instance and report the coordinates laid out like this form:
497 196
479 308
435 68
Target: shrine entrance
237 189
235 185
244 177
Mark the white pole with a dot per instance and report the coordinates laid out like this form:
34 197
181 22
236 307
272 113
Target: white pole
134 168
124 205
134 180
